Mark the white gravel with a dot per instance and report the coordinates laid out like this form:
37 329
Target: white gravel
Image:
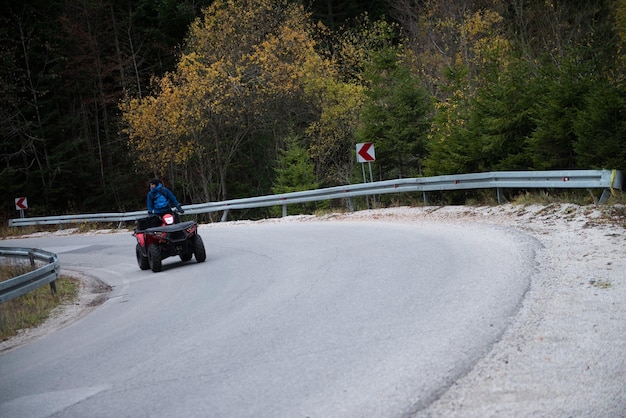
565 353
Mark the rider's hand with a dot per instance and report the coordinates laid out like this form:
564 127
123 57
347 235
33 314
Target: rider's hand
180 209
149 212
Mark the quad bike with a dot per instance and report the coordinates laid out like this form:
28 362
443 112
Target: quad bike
159 237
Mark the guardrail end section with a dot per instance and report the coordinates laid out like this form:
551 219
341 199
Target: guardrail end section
617 178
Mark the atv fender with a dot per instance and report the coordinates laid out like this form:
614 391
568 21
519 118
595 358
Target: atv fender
141 240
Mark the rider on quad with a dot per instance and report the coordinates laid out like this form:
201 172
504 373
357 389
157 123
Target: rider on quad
162 235
160 199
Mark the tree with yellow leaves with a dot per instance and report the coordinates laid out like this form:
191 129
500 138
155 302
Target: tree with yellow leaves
241 68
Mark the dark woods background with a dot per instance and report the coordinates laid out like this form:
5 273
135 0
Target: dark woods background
490 85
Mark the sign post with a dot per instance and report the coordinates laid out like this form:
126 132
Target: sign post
365 154
21 203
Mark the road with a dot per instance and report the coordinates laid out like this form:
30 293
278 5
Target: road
311 319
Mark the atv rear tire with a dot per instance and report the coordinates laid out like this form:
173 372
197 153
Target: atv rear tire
142 260
198 249
154 257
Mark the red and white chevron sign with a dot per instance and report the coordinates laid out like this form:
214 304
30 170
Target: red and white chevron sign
21 203
365 152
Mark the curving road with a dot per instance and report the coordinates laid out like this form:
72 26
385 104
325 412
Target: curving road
285 319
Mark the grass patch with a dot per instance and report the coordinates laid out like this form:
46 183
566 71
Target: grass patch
544 197
16 231
601 284
76 228
35 307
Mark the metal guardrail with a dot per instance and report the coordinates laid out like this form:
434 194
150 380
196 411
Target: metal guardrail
566 179
24 283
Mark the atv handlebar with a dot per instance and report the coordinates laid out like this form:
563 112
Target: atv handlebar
178 209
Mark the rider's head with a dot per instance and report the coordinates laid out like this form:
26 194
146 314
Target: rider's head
154 183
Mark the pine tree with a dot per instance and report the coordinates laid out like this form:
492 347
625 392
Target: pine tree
395 115
295 172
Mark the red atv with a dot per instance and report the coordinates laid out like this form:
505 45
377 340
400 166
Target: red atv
159 237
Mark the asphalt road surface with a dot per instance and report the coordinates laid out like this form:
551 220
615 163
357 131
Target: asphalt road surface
310 319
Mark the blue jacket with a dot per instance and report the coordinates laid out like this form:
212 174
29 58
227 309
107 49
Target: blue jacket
153 196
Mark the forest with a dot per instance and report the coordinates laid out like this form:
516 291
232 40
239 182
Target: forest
224 99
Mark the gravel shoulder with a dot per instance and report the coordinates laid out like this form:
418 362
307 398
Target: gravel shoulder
564 354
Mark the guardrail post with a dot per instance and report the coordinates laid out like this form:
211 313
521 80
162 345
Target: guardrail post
425 196
285 210
606 193
224 215
53 285
499 194
351 203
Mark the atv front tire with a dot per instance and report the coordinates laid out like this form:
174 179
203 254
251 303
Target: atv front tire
142 260
154 257
198 249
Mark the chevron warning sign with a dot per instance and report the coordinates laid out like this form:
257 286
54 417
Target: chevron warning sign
21 203
365 152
